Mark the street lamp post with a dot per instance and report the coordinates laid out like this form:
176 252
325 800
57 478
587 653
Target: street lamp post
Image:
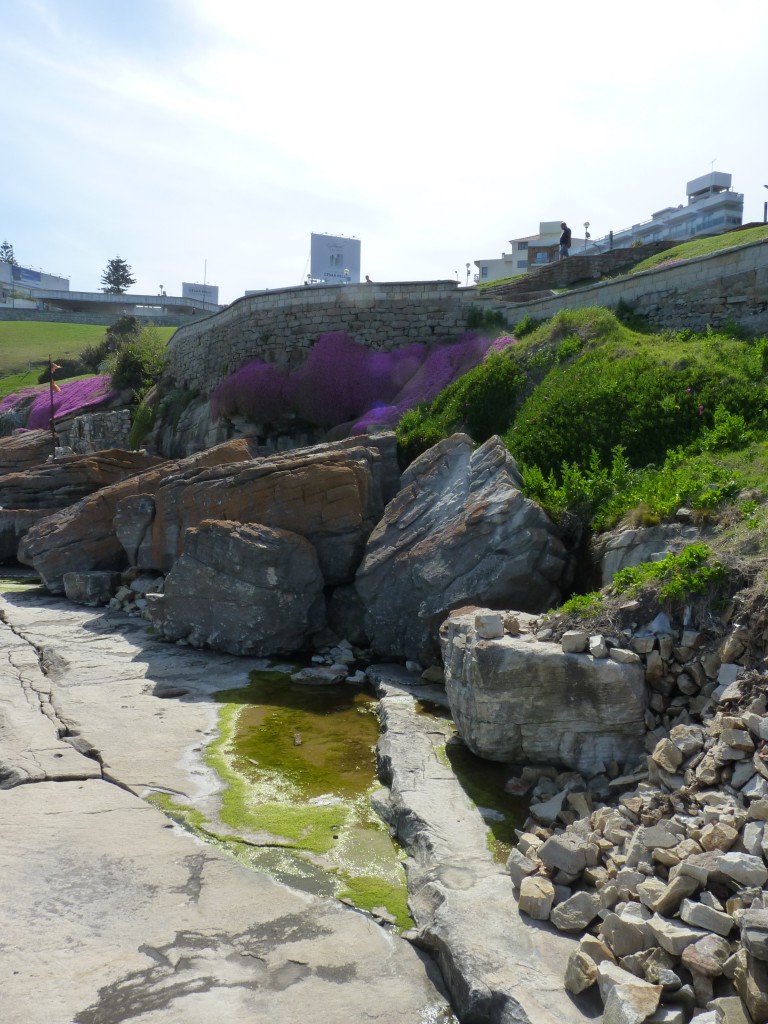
586 234
765 209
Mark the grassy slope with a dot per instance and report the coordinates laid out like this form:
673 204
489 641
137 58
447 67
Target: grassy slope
703 246
32 342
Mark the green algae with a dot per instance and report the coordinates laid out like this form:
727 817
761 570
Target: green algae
299 765
483 782
20 584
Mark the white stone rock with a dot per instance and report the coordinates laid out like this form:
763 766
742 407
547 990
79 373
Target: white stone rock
743 868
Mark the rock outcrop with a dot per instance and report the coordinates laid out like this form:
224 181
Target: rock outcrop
23 451
621 548
516 700
14 523
68 478
243 589
81 537
331 494
458 532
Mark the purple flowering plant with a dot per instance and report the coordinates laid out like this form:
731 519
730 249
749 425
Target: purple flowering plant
73 397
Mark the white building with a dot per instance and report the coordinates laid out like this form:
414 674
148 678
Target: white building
542 248
712 209
20 286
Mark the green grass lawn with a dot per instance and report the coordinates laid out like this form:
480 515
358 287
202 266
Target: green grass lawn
34 341
703 246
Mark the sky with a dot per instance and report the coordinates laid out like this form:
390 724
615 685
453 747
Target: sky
204 140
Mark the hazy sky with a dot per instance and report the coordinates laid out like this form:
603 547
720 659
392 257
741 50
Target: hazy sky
175 132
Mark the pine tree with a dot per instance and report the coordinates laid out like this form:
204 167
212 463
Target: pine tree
6 254
117 277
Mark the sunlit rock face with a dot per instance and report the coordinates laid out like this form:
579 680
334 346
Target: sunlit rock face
458 532
517 700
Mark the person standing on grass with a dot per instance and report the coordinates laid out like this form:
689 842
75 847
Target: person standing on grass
565 241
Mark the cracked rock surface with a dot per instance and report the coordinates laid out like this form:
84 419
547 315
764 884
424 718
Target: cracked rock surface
110 914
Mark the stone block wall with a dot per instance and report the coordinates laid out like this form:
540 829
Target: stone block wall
95 431
727 285
281 326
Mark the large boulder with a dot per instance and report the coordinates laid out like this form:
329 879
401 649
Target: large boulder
332 494
517 700
243 589
81 537
62 481
458 532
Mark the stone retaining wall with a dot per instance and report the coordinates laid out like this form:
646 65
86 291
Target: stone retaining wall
281 326
96 319
727 285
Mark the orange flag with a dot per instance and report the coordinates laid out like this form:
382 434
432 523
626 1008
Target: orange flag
56 387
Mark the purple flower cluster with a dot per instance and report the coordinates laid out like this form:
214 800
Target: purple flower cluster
342 380
257 390
73 397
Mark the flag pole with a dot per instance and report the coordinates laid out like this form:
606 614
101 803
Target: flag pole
53 429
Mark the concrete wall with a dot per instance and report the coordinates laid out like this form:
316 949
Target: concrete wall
281 326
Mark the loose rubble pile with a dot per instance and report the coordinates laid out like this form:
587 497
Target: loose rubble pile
662 865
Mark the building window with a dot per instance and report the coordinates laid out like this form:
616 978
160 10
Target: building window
521 246
542 257
522 264
483 271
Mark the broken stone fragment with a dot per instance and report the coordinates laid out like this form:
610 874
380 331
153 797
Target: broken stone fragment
673 935
577 913
626 999
667 755
519 867
700 916
754 933
580 972
706 956
566 852
536 897
574 641
743 868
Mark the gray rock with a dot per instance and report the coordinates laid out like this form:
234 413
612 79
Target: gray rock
626 999
577 913
243 589
92 589
700 916
536 897
574 641
458 533
566 852
517 701
672 935
519 866
580 972
754 933
743 868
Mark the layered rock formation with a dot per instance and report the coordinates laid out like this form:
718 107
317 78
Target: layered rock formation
23 451
458 532
243 589
520 701
81 537
68 478
332 494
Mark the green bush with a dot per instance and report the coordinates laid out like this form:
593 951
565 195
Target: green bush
645 405
139 363
481 403
677 577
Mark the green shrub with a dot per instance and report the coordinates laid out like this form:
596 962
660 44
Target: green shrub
485 319
481 402
676 577
588 605
143 421
139 363
525 326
